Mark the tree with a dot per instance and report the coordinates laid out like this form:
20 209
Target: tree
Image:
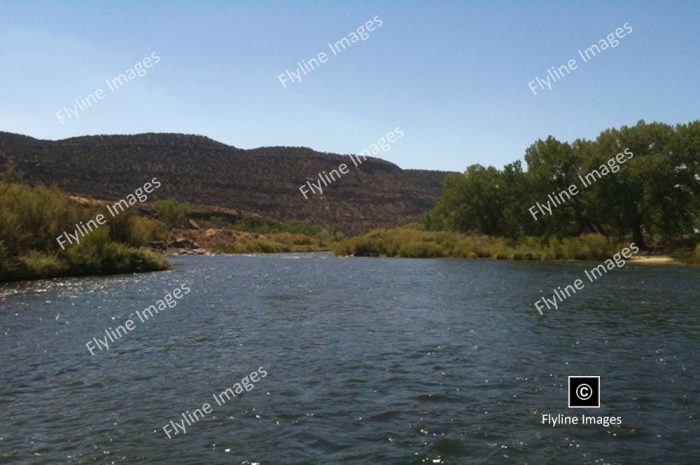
647 186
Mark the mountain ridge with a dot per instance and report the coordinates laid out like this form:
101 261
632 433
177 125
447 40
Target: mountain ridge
198 169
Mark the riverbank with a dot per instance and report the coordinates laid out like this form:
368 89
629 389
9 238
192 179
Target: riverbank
414 242
127 261
655 260
138 240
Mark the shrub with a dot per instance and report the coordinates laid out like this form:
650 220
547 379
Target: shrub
143 230
695 257
36 263
587 247
299 227
416 242
32 217
424 249
266 243
120 258
262 225
97 254
171 211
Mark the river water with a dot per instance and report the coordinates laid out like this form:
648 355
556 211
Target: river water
368 361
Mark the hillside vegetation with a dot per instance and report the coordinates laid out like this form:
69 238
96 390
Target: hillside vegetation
201 171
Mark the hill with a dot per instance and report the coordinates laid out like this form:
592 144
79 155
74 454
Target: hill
200 170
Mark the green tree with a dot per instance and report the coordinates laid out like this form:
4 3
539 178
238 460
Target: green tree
649 196
651 193
473 202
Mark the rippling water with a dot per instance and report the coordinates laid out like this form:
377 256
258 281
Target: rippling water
369 361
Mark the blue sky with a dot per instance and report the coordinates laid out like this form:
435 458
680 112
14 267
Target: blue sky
452 75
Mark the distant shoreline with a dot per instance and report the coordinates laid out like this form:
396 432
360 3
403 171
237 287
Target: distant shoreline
656 260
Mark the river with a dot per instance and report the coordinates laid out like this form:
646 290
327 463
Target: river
368 361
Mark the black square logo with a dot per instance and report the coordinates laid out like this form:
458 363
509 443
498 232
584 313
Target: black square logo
584 391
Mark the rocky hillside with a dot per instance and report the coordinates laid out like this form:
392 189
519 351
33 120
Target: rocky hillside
200 170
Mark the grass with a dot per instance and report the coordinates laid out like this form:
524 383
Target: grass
257 234
267 243
688 256
414 242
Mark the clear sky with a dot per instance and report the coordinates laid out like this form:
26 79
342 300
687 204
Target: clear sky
452 75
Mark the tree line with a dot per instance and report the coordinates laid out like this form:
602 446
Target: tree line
654 197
